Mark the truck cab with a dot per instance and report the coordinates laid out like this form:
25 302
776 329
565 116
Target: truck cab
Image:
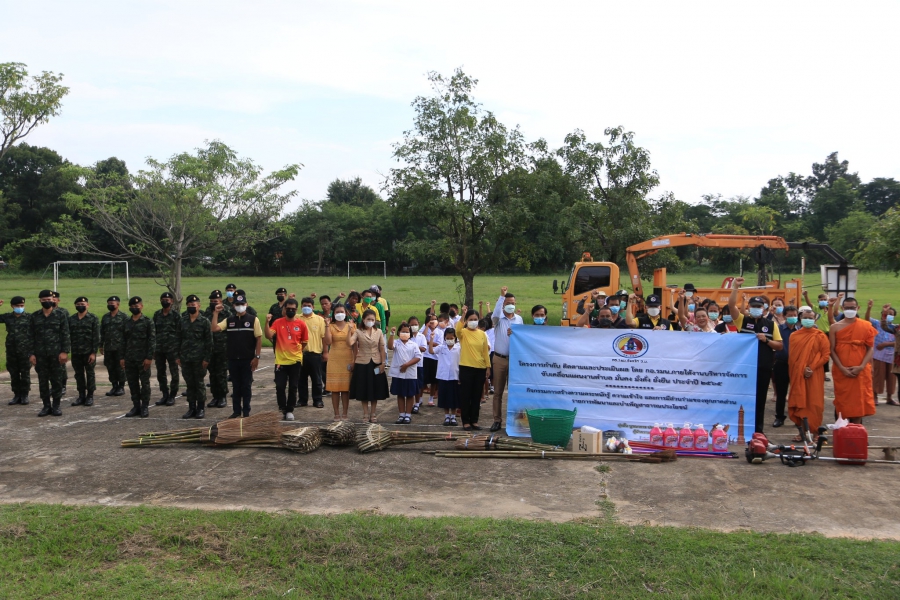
587 276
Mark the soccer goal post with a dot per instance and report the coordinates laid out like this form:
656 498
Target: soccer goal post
111 263
383 264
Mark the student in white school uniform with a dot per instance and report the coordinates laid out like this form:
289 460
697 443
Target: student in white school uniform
422 343
435 334
448 375
404 376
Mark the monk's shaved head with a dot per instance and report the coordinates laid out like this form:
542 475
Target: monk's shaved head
849 302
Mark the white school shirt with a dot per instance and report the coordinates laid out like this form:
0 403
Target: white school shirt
422 342
454 321
403 353
448 362
438 340
490 337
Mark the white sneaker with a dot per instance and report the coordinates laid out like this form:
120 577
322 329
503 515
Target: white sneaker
289 416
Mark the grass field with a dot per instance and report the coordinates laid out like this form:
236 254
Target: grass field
407 295
99 552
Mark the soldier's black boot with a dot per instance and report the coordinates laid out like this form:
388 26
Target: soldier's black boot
46 410
120 389
145 409
89 399
55 409
135 410
170 401
162 401
79 400
23 399
192 410
200 413
15 400
112 392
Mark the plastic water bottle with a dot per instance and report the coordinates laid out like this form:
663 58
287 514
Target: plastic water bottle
686 437
656 435
720 439
701 438
670 437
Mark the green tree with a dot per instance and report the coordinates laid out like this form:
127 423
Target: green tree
759 220
880 194
183 209
26 102
847 235
830 205
453 161
882 250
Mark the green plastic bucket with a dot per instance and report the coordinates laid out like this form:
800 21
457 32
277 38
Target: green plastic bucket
551 425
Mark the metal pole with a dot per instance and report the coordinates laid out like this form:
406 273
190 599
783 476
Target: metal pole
127 280
384 262
348 269
56 276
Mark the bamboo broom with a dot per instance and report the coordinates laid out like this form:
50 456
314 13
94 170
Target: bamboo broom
303 440
342 433
375 437
265 425
499 442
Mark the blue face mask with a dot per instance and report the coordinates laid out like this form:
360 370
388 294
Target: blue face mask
765 306
19 310
622 305
539 320
823 303
615 309
756 312
779 310
714 316
229 294
791 320
807 323
889 318
727 319
306 310
691 307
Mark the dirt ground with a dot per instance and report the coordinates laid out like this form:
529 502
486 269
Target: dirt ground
77 459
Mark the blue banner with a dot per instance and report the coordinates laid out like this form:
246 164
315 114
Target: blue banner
629 379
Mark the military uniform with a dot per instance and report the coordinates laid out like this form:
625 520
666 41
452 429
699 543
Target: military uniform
65 313
18 349
194 346
85 335
218 364
113 347
167 352
49 339
140 344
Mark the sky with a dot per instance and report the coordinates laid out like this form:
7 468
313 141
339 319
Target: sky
724 95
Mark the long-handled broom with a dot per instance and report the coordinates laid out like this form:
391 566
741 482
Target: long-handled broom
261 426
659 457
500 442
375 437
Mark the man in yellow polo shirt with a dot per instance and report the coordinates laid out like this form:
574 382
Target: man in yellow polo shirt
314 354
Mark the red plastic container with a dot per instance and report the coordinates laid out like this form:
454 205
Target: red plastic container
851 442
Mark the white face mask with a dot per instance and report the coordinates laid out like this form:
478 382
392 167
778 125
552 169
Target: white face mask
340 316
414 328
472 324
370 323
509 309
451 343
653 311
850 314
240 309
403 336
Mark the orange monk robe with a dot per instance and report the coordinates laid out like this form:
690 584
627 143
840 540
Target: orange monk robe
853 395
809 348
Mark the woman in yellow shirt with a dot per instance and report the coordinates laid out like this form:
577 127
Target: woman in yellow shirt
474 367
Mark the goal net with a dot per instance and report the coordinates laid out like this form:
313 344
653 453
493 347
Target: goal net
105 265
367 267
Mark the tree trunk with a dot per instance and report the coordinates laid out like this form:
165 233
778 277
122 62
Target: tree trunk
176 281
469 281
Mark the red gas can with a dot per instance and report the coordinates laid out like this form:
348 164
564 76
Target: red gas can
851 441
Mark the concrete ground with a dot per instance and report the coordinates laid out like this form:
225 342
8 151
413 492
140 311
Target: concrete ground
77 459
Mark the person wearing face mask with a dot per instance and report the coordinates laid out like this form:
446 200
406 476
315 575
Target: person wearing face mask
419 338
404 380
291 337
250 310
244 343
503 318
852 346
809 350
166 321
776 311
883 357
139 336
84 330
18 349
50 347
780 372
727 324
652 319
435 335
539 314
474 366
340 338
368 383
193 352
112 346
447 353
65 313
230 292
314 355
218 366
819 307
769 337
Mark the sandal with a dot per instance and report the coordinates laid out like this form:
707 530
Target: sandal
344 417
373 419
893 402
337 418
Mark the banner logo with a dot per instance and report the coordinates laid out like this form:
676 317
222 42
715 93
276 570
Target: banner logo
630 345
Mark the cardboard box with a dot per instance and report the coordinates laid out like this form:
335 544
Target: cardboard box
589 443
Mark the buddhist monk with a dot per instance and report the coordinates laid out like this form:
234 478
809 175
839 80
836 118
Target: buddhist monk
808 352
852 347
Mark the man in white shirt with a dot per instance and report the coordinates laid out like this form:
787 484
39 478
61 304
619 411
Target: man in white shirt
503 317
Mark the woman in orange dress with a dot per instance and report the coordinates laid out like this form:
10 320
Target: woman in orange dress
340 339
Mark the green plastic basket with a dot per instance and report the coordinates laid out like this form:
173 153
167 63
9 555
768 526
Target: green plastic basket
551 425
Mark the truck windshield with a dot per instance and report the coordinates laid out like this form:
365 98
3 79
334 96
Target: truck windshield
590 278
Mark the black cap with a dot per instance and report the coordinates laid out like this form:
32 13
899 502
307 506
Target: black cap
168 295
81 299
17 300
653 300
230 286
757 300
215 294
689 287
55 294
240 293
622 293
239 299
134 300
193 298
45 294
281 291
113 299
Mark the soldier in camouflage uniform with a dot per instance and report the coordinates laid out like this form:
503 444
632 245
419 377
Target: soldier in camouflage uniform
139 336
218 366
230 293
84 329
112 346
18 349
50 346
65 312
166 321
194 352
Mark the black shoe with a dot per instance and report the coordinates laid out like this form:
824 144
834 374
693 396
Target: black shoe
78 401
112 392
55 410
778 423
303 405
200 413
24 399
475 427
223 403
162 401
89 400
319 404
496 426
119 391
192 410
145 409
134 412
15 400
44 411
235 415
415 409
400 420
170 401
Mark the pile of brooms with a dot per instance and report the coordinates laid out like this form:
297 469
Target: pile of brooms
265 430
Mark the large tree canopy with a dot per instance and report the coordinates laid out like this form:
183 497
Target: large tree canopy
26 102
